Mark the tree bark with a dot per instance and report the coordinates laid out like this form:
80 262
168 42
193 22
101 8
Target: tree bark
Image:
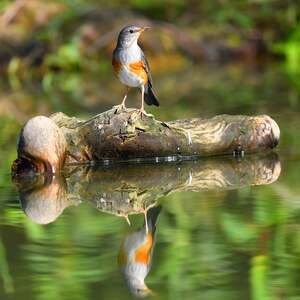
47 144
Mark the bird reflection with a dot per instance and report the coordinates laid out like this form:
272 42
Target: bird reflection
135 255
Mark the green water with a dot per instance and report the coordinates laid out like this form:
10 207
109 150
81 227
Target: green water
228 228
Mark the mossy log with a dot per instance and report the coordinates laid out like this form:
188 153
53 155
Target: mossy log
47 144
121 190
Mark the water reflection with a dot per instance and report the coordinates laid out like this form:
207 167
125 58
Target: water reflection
135 256
135 189
131 189
46 199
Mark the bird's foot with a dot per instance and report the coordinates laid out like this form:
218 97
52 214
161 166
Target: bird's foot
142 113
119 108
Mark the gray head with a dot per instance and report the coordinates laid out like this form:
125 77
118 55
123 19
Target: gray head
129 35
138 288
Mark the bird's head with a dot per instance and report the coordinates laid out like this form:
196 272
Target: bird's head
138 288
129 35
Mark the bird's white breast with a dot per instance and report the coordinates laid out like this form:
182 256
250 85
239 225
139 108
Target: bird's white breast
127 56
134 269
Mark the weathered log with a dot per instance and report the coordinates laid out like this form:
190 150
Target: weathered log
121 190
46 144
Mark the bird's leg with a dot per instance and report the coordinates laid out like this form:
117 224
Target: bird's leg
127 219
125 97
145 212
122 105
146 221
142 110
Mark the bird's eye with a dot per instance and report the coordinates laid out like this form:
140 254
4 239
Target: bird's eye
131 31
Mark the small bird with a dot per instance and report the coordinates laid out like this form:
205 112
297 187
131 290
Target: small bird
131 66
135 255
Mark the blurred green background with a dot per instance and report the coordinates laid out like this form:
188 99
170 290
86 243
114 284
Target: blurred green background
207 57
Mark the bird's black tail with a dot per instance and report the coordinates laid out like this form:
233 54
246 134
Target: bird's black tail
152 215
150 97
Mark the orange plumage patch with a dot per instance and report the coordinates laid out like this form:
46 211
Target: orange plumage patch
142 254
116 65
139 69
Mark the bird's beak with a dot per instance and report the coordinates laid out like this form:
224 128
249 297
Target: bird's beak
144 28
150 292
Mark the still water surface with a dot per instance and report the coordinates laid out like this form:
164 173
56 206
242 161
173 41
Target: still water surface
226 228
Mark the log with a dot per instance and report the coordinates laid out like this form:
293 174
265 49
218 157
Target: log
122 191
47 144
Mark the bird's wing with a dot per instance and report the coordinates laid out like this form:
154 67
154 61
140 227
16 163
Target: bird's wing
122 257
146 67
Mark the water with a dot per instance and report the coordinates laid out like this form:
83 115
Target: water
228 228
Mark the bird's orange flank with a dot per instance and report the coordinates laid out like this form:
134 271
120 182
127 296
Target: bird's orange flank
142 254
139 69
116 65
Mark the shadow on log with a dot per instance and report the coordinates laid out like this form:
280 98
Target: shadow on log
132 189
47 144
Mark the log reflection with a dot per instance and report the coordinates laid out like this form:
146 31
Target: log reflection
131 189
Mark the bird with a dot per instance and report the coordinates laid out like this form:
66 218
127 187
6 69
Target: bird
135 255
131 66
